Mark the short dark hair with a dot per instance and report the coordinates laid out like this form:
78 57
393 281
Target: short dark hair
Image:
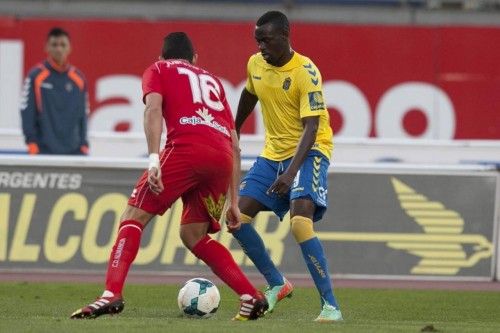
276 18
57 32
177 45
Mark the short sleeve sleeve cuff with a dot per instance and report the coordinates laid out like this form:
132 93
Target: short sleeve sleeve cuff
151 81
249 85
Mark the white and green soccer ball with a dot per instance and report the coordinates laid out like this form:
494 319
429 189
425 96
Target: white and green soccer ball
198 298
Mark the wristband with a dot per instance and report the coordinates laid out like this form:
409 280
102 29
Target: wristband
154 161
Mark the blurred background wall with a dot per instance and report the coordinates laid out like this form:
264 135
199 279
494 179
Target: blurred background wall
397 70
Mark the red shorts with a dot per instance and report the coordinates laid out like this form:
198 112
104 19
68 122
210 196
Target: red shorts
198 174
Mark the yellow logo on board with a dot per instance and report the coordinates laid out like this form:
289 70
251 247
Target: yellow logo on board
440 246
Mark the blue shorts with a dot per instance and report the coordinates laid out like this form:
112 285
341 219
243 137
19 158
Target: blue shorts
311 182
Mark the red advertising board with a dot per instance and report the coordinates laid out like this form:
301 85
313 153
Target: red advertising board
380 81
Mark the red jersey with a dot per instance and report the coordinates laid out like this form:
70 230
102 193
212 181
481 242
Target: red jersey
195 108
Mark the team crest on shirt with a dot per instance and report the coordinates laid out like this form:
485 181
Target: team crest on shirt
316 101
287 83
69 87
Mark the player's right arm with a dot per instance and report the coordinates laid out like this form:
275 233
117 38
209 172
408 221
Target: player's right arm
248 100
153 124
233 214
245 107
29 114
231 210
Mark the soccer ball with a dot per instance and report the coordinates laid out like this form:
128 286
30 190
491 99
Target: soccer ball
198 298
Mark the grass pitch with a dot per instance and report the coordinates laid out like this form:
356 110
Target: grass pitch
46 307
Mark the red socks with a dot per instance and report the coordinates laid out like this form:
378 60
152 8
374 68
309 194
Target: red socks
214 254
219 259
123 254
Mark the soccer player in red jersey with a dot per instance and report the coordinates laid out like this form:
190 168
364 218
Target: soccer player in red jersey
200 164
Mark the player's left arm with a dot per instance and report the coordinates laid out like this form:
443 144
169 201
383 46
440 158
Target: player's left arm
84 143
282 184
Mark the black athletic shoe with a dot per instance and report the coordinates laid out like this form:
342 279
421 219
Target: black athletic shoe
251 308
102 306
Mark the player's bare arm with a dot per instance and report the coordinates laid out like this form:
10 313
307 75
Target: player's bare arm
245 107
153 126
282 184
233 214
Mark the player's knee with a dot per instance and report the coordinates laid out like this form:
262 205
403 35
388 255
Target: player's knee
136 214
192 233
189 239
245 218
302 228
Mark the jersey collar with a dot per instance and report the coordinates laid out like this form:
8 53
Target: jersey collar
56 67
293 63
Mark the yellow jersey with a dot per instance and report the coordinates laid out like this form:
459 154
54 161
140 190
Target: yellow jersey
286 95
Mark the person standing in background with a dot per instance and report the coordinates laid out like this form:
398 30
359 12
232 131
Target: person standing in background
54 103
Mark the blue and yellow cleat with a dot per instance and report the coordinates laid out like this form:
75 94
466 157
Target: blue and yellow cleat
277 293
329 314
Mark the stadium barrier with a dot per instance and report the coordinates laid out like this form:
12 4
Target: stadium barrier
347 150
60 214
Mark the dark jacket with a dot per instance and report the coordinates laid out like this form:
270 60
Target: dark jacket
54 108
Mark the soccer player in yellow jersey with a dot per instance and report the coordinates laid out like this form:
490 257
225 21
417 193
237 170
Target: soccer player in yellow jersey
291 172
